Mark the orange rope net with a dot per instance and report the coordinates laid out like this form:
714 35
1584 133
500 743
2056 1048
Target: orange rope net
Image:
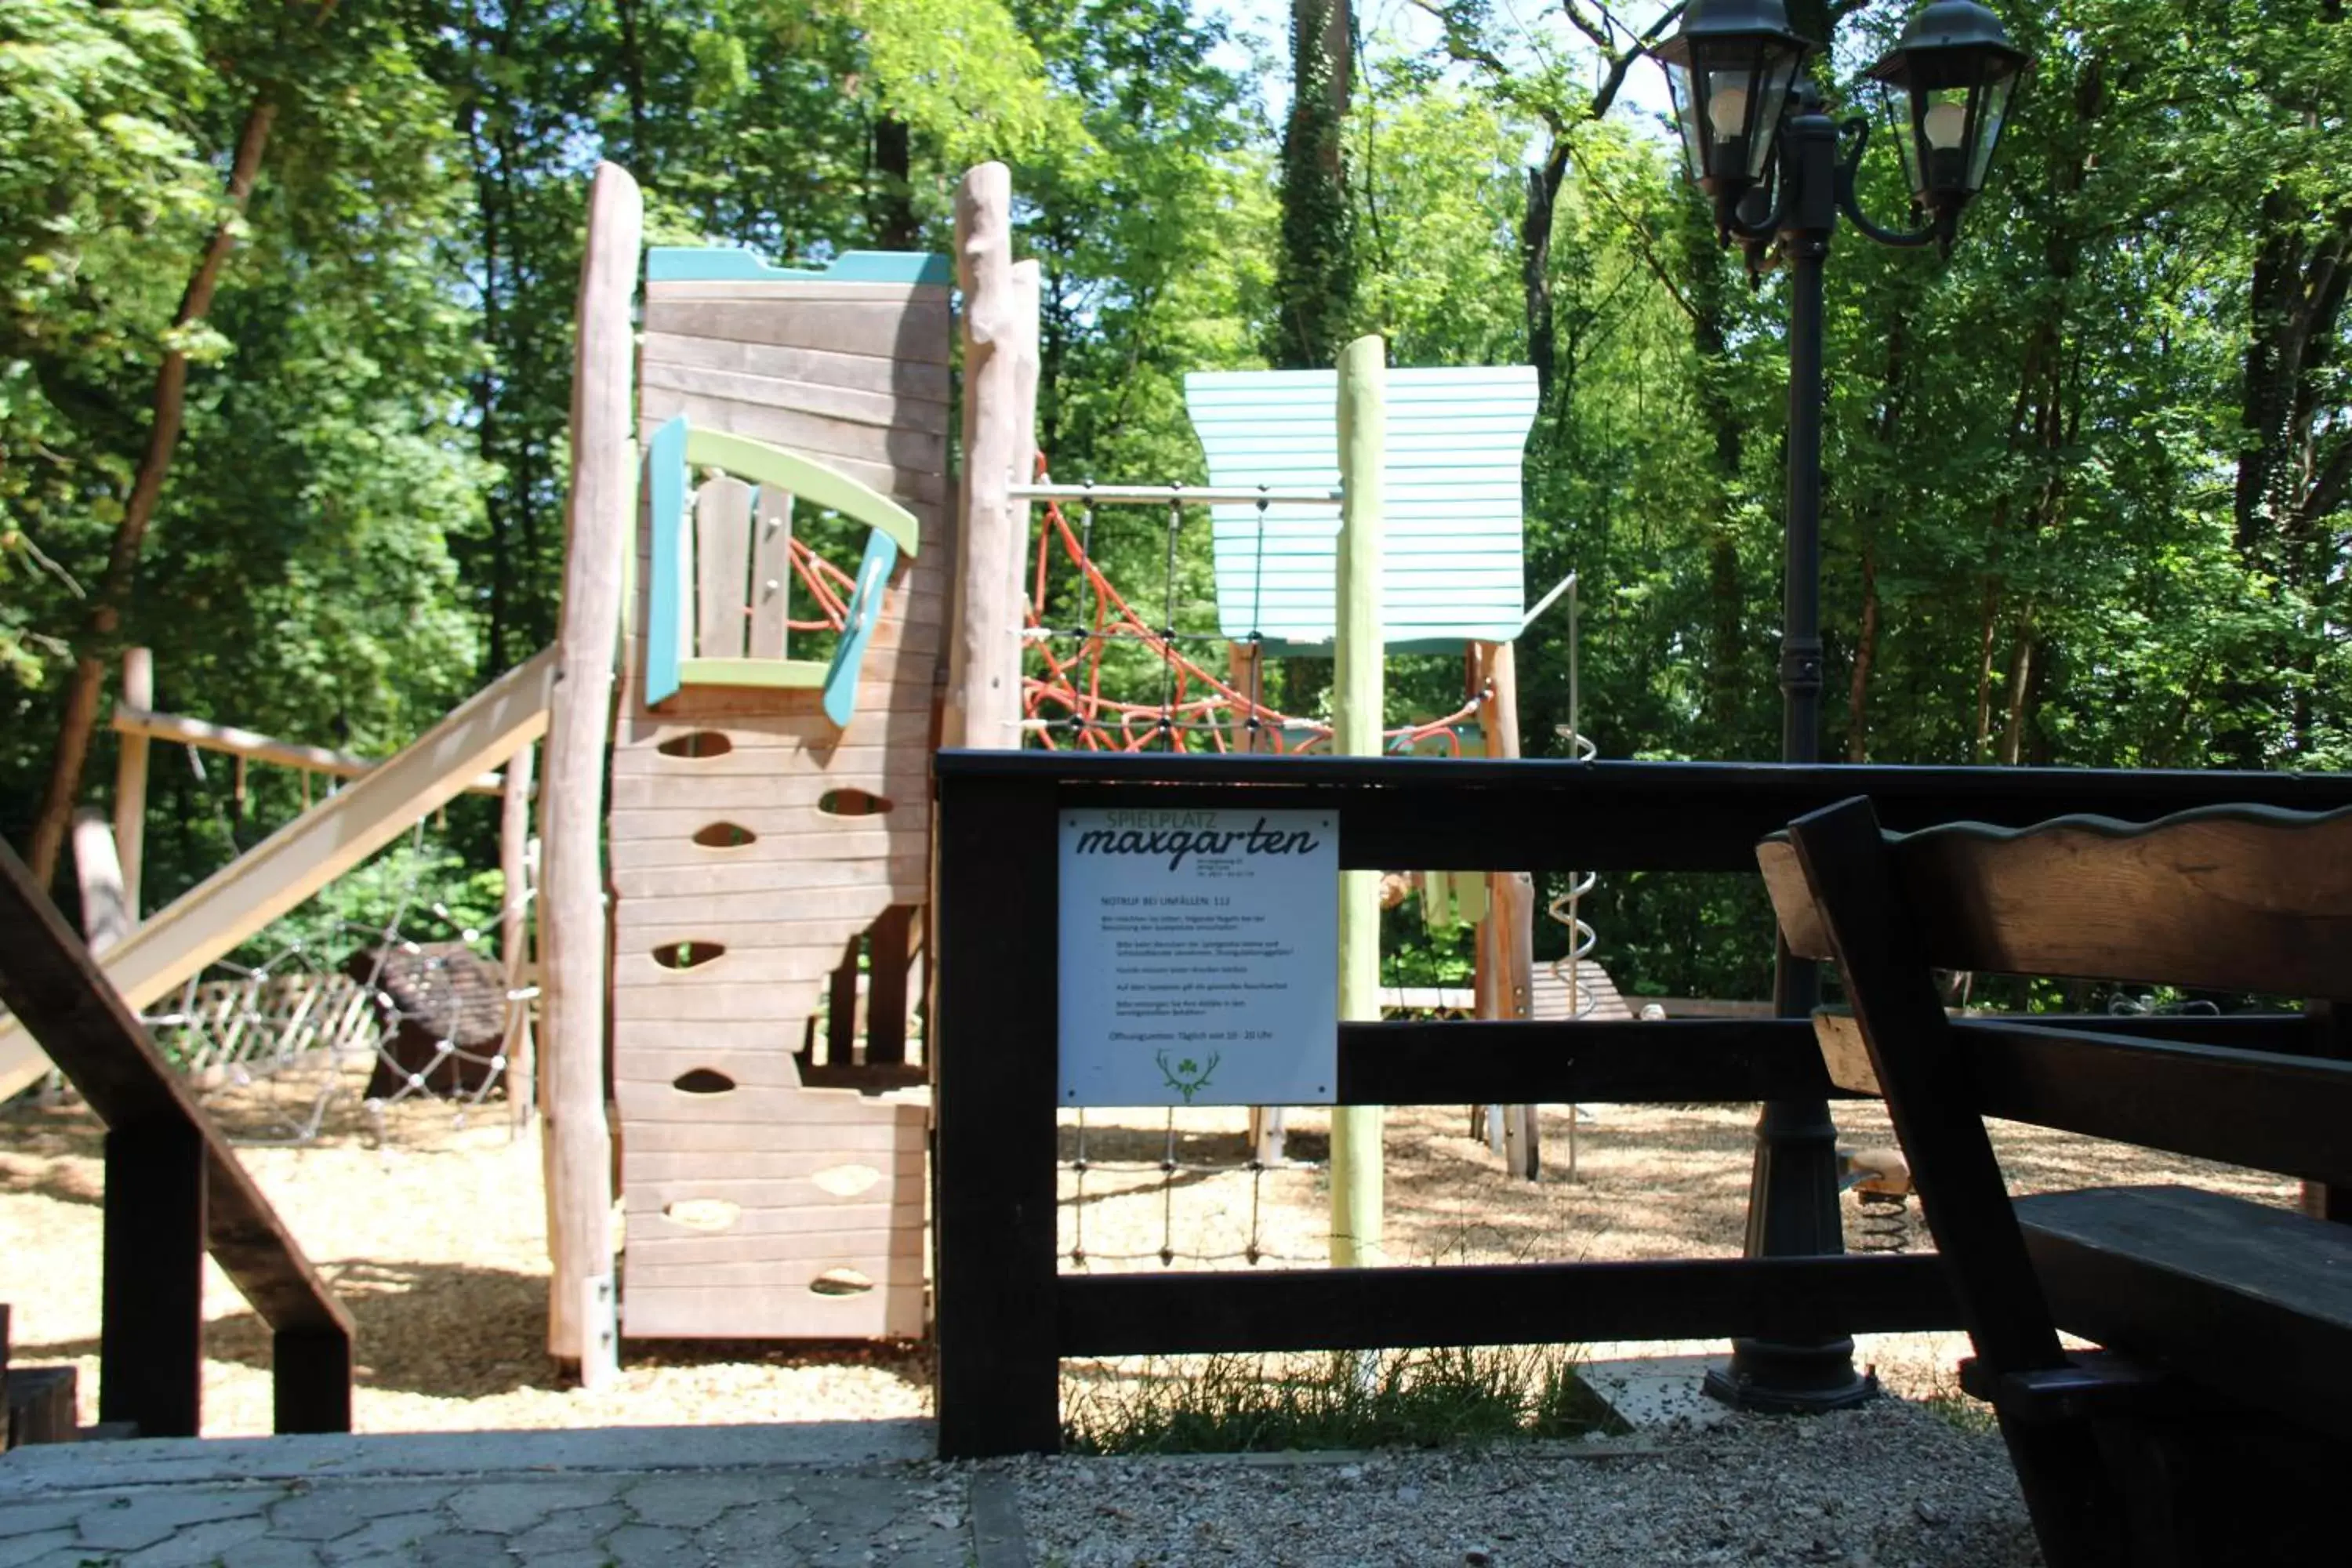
1063 705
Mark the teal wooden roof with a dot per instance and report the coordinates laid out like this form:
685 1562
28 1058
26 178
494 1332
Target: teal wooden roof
1451 570
727 264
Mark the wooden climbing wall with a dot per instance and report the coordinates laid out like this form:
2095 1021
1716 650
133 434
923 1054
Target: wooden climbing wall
757 1206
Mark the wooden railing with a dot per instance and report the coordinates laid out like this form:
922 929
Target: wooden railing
1005 1317
174 1191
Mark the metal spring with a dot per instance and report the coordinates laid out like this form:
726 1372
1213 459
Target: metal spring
1883 1222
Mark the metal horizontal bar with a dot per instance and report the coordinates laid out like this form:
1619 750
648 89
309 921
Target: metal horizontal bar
1669 1061
1500 1304
1185 495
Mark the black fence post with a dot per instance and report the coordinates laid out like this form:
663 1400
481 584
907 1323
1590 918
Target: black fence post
152 1318
992 1197
311 1380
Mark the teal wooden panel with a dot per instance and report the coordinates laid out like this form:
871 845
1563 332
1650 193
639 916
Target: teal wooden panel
666 587
865 608
727 264
1451 569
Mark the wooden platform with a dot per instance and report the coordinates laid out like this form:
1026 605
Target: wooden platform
1597 995
752 840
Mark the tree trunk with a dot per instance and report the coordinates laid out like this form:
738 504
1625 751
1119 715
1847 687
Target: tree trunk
2021 675
1314 283
169 411
894 225
632 80
1535 266
1729 670
1991 625
1865 653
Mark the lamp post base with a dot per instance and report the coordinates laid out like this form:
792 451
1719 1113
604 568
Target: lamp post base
1790 1379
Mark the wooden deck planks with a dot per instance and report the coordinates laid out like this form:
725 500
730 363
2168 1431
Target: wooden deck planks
891 1311
911 329
911 380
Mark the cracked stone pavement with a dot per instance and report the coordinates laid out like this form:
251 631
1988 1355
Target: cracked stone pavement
548 1501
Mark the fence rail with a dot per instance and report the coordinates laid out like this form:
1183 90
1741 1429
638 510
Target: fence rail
1006 1317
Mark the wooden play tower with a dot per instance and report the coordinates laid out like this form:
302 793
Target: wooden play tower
768 807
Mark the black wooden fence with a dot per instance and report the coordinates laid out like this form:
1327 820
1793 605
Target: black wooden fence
1005 1317
174 1191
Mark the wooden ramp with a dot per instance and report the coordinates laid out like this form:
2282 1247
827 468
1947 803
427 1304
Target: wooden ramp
213 918
752 840
1596 994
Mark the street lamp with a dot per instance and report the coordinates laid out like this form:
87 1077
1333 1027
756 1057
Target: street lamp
1761 144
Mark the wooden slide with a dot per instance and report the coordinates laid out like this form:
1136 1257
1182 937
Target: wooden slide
217 915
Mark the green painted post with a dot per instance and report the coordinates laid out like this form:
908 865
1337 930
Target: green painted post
1356 715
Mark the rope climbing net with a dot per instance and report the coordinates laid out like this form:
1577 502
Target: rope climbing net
1114 672
376 1001
1074 700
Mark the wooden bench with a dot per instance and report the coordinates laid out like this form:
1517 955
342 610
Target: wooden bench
174 1191
2211 1427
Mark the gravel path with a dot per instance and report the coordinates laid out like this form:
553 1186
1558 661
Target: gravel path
1893 1485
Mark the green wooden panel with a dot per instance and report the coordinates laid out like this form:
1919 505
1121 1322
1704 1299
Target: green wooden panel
805 478
779 674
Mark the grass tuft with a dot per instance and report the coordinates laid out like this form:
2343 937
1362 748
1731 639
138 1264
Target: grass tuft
1241 1404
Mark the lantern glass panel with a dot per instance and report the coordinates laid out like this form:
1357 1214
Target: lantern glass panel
1686 117
1993 109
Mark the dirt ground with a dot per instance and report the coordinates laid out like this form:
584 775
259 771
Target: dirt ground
437 1237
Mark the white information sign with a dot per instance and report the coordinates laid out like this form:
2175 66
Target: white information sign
1200 957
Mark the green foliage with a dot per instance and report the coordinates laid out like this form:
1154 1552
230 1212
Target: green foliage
2085 483
1250 1404
426 892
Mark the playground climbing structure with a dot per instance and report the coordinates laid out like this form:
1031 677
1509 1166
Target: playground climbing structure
769 782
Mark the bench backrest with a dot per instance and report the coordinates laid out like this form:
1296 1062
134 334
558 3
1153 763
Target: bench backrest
2235 898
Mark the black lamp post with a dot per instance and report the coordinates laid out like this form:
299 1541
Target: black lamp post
1759 142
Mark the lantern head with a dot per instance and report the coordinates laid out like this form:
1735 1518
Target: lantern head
1948 86
1729 67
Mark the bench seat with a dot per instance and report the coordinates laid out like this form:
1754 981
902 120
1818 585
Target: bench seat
2252 1301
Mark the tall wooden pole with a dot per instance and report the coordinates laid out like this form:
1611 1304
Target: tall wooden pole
1357 710
983 704
580 1323
1506 937
131 777
514 938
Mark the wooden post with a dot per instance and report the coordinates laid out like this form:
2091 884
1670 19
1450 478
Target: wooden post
889 954
841 1007
151 1335
992 1174
310 1381
131 777
105 916
983 704
1028 290
572 931
514 938
1245 673
1357 710
1507 936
